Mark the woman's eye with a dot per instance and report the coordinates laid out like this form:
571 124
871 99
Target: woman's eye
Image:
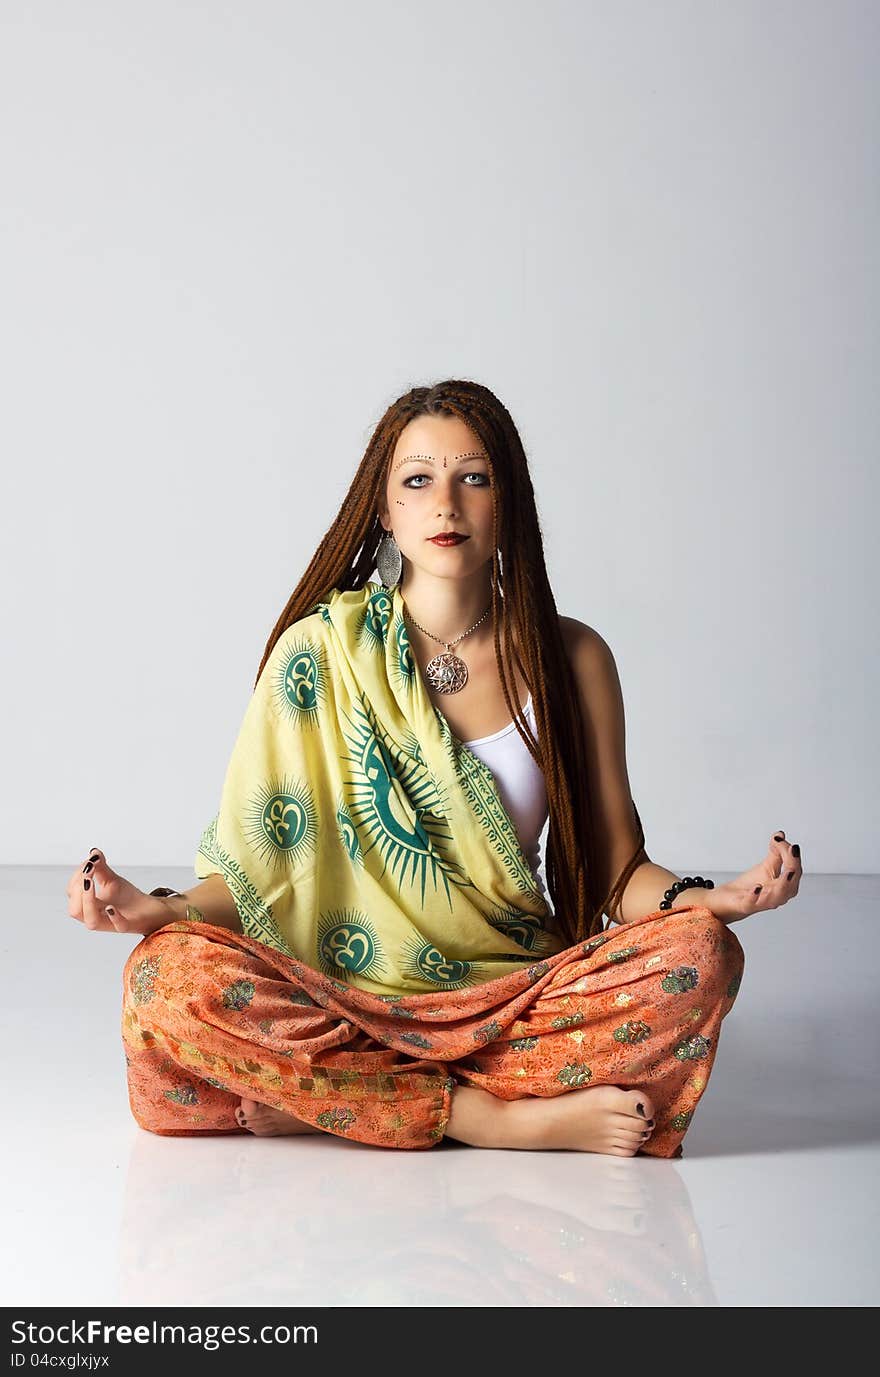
484 481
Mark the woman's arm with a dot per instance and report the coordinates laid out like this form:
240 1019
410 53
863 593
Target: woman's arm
603 716
213 900
645 890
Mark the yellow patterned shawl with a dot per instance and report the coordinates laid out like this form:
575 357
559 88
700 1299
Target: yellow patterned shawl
355 831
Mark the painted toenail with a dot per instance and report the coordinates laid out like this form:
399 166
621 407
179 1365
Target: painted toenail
640 1109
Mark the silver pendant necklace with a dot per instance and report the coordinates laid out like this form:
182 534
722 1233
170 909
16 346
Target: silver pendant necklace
447 673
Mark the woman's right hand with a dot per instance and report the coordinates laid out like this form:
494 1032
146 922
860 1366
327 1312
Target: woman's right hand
111 903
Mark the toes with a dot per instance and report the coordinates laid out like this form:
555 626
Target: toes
246 1112
631 1143
641 1105
638 1137
634 1122
631 1131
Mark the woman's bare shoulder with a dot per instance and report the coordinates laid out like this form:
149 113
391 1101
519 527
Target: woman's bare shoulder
583 644
590 656
577 635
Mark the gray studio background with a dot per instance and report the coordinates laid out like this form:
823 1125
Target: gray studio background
232 234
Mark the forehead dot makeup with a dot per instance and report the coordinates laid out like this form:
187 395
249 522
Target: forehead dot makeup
429 458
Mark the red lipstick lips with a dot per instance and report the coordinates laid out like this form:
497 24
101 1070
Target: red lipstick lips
448 538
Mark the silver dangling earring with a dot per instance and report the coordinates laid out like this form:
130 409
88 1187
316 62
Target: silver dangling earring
389 561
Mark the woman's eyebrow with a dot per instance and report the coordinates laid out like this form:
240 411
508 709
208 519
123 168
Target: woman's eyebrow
429 459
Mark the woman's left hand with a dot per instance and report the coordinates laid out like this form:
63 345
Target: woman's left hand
770 884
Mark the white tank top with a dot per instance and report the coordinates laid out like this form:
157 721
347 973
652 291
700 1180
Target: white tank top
520 783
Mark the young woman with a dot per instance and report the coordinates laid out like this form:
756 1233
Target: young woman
371 951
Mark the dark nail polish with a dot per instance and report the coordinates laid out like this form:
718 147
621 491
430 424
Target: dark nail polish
110 910
650 1123
795 850
790 875
94 857
758 888
87 867
640 1109
87 884
778 837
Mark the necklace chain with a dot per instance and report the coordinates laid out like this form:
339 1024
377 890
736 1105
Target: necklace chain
449 644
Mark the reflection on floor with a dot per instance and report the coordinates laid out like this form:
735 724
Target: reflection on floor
774 1202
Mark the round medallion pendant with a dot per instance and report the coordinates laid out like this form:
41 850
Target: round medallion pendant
446 672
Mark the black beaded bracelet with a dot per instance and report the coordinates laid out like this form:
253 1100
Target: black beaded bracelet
689 882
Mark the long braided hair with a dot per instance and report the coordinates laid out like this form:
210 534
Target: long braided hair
346 560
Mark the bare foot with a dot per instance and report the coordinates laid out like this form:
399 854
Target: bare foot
267 1122
599 1118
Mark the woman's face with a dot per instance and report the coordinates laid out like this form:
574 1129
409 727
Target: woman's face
439 480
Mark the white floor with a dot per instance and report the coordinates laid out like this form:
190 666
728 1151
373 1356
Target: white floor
774 1203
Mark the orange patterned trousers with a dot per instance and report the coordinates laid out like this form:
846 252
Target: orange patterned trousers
211 1015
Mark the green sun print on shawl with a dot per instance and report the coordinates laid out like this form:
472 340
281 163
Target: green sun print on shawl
255 914
405 664
682 1119
422 961
377 616
523 928
478 782
411 851
324 609
283 822
348 941
376 626
348 835
680 980
299 689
